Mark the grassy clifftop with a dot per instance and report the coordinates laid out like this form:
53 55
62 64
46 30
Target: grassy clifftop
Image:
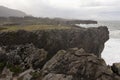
33 27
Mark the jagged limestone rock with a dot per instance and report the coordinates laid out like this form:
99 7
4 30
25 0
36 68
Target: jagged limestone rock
66 65
90 39
23 56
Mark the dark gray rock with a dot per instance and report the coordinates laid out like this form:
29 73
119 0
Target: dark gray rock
24 56
76 64
81 63
39 58
116 68
53 76
90 39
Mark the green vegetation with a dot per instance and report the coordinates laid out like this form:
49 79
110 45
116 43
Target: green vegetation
14 68
1 28
31 23
2 65
35 75
34 27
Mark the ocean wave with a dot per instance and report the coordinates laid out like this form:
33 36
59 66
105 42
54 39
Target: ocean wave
88 25
115 34
111 52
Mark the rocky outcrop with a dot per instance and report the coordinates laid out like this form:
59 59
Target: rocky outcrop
24 55
116 68
76 64
21 57
6 74
91 39
71 64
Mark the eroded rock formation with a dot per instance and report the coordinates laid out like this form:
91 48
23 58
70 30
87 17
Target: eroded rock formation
76 64
22 57
72 54
91 39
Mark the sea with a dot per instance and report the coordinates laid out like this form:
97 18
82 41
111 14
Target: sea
111 52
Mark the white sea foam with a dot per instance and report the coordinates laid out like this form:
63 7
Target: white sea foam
88 25
115 34
111 52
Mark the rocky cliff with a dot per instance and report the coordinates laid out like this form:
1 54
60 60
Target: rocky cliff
91 39
70 64
71 54
76 64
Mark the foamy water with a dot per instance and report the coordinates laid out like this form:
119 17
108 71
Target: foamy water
111 52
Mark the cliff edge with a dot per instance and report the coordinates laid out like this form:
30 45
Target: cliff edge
67 54
90 39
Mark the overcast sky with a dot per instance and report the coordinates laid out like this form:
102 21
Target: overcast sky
80 9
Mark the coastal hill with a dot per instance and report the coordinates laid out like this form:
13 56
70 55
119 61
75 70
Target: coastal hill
12 17
7 12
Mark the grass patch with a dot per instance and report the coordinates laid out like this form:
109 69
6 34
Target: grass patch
2 28
14 68
34 27
2 65
36 75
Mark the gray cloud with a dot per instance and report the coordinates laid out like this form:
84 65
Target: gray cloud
80 9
